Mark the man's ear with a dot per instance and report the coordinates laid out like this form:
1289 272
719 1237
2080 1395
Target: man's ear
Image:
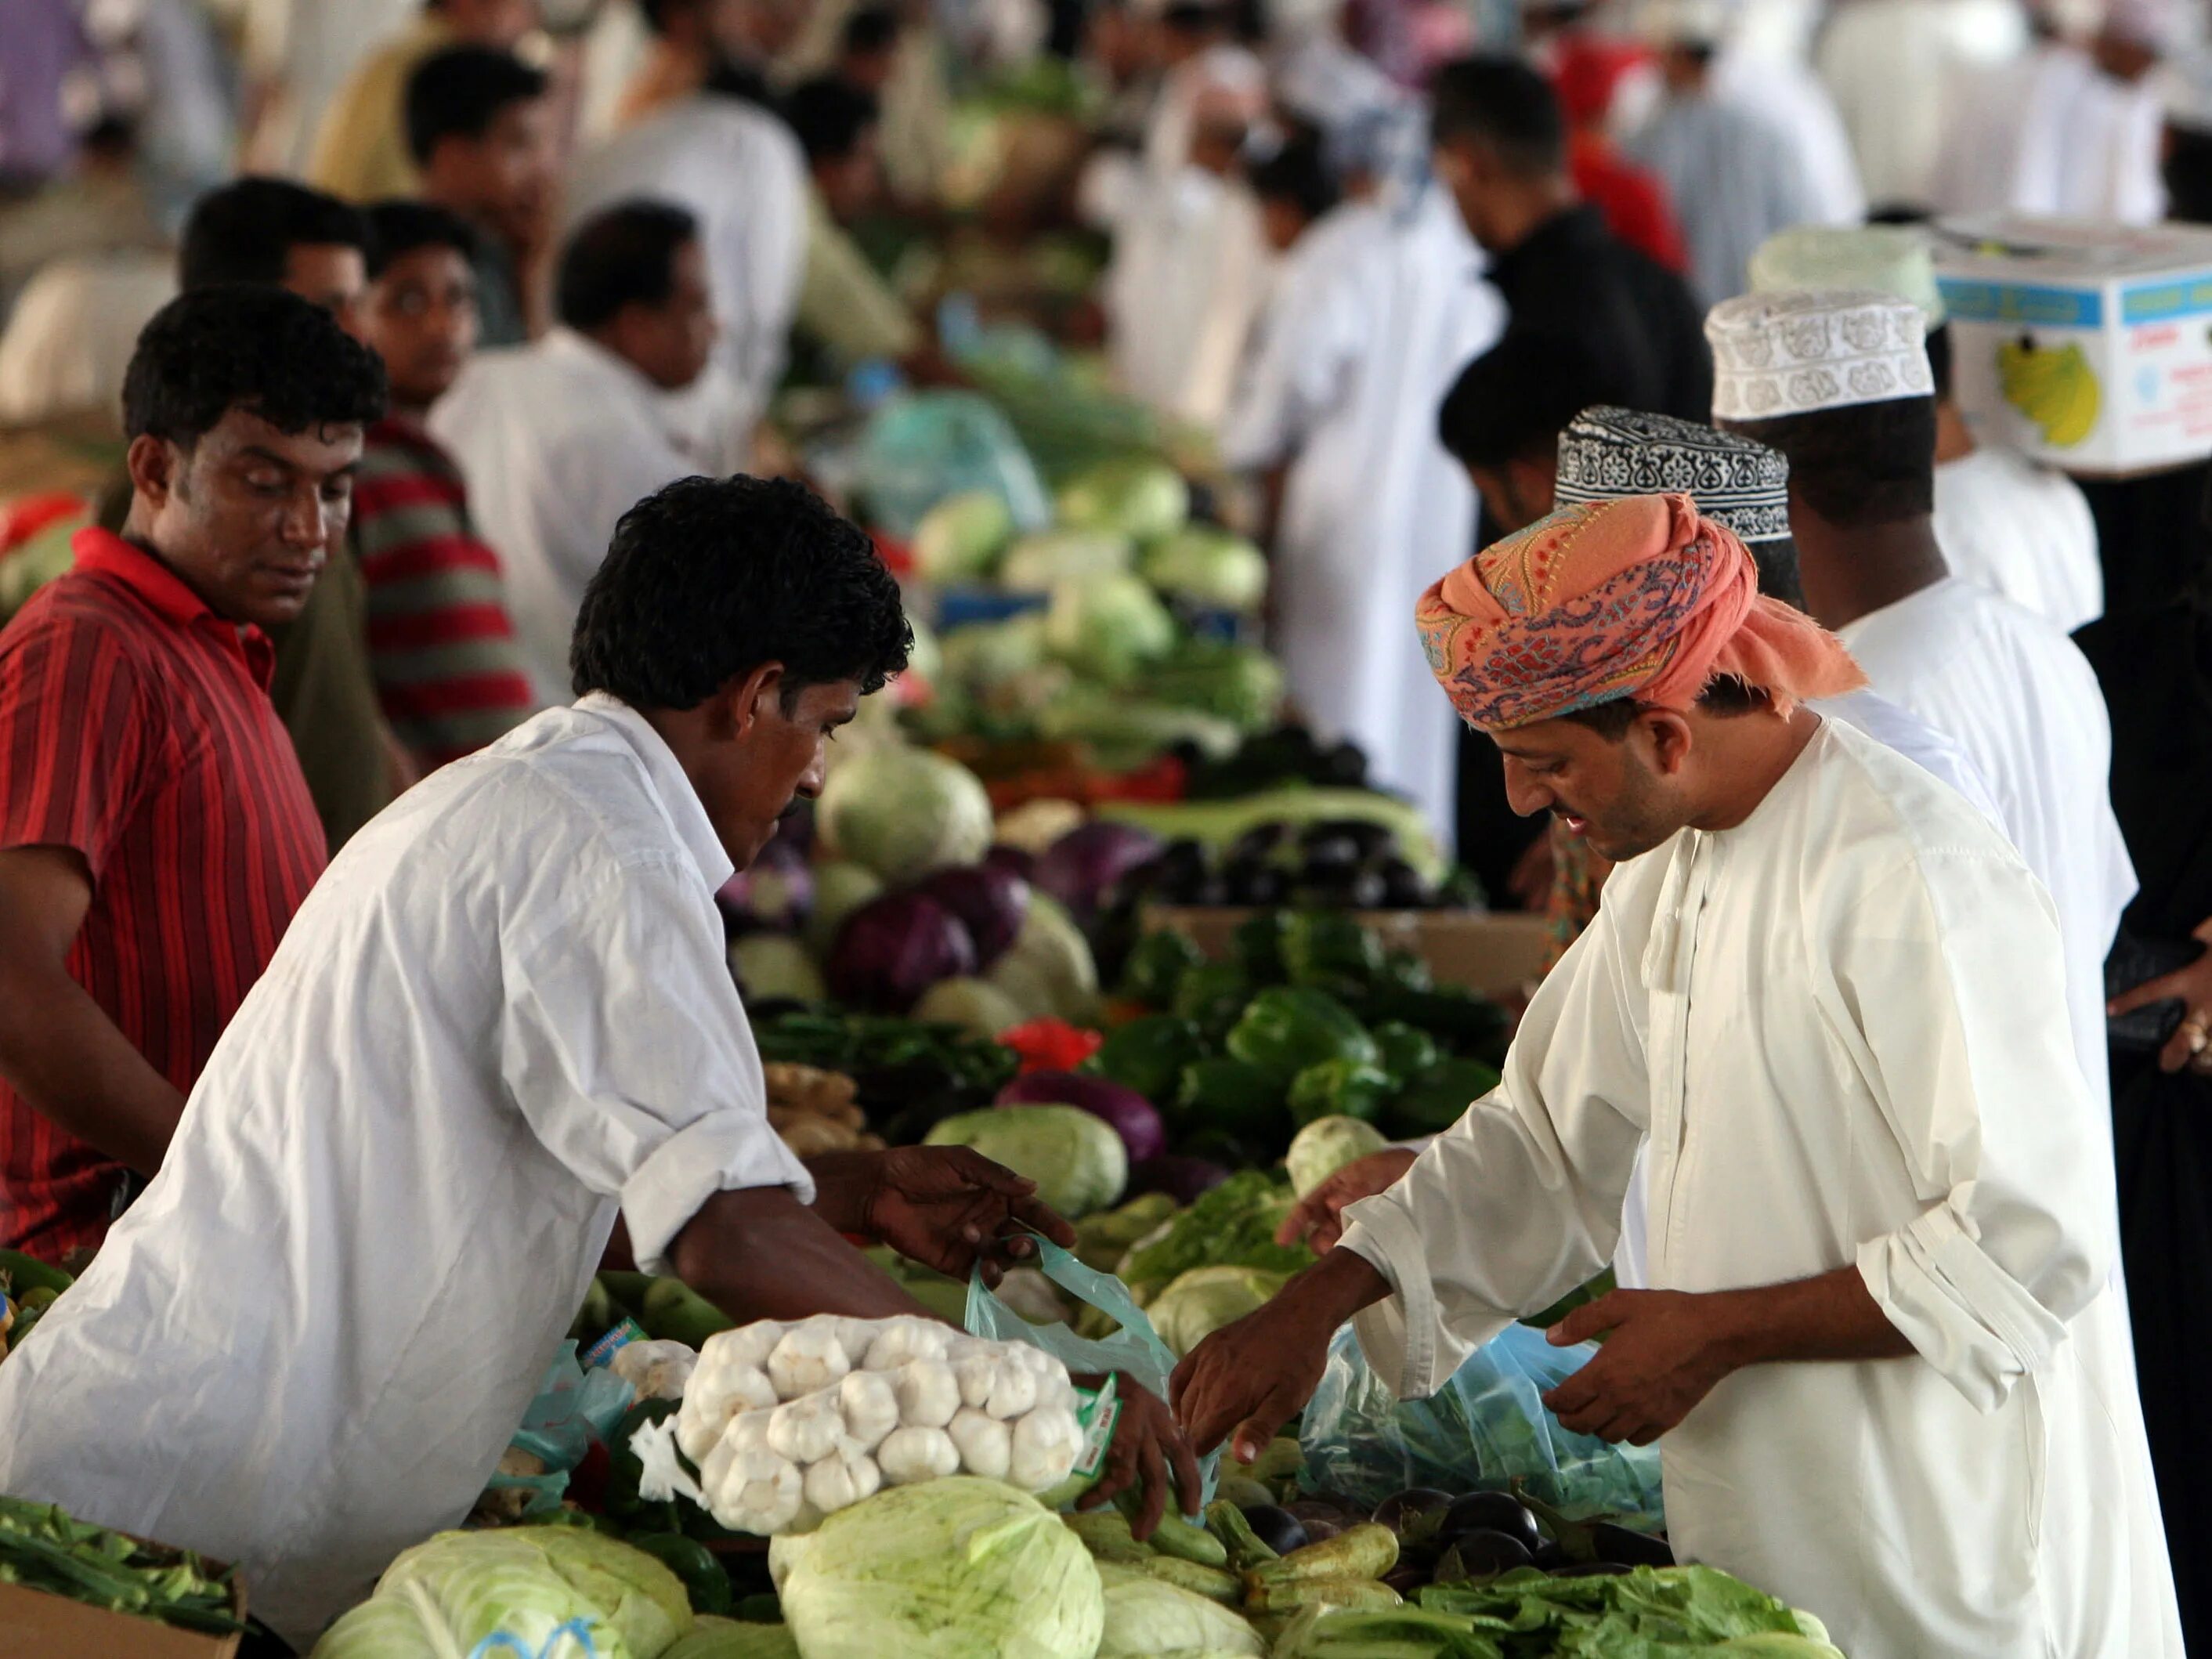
1669 737
741 705
157 468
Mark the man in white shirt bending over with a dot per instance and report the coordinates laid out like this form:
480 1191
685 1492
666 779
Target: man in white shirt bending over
1838 381
558 438
2015 527
1883 1359
500 1021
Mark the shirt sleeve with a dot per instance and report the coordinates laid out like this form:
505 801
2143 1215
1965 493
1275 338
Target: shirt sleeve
627 1051
75 737
1949 987
1520 1201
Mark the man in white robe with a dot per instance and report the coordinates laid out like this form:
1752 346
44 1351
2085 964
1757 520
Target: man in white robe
2007 523
1893 67
739 171
1838 381
1884 1363
1378 304
559 438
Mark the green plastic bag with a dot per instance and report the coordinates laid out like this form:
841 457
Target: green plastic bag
1135 1350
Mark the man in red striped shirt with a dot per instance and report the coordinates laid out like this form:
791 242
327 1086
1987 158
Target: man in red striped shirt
449 673
155 832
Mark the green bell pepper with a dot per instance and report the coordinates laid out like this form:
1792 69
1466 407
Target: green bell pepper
1148 1055
1288 1028
1405 1052
1230 1097
1439 1097
1156 966
704 1581
1212 995
1328 949
1340 1088
1256 947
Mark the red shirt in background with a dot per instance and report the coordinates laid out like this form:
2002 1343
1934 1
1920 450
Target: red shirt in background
136 727
1588 69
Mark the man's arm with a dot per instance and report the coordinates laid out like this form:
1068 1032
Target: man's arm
758 1252
57 1048
1667 1349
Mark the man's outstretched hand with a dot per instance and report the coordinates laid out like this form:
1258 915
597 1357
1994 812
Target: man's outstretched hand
946 1207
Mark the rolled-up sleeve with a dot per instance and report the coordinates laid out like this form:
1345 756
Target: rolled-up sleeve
1520 1201
629 1054
1974 1070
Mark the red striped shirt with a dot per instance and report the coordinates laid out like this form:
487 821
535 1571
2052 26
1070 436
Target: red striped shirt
136 727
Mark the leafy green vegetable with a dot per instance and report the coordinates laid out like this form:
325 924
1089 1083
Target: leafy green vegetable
1652 1613
1438 1097
1147 1617
1078 1161
1340 1088
729 1638
1107 627
1132 495
959 538
1039 563
1207 566
1285 1029
1195 1305
1149 1055
1234 1221
958 1568
1125 732
1236 684
43 1548
1325 1145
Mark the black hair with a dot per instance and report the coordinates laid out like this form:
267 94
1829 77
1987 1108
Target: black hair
869 30
1939 359
460 92
245 230
1297 174
1513 402
1779 576
1858 466
247 345
659 13
622 255
402 225
1724 694
2187 168
1198 17
828 115
709 577
1502 102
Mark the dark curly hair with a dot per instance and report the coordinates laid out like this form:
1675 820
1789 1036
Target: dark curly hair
709 577
622 255
460 92
246 345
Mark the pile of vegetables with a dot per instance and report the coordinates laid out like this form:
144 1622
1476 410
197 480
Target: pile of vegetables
42 1548
786 1423
28 1287
1308 1016
1329 863
816 1111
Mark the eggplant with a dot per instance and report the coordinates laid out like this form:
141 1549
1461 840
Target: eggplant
1406 1579
1402 1509
1319 854
1257 842
1346 765
1492 1511
1402 886
1317 1529
1483 1554
1310 1509
1278 1529
1629 1549
1374 840
1254 883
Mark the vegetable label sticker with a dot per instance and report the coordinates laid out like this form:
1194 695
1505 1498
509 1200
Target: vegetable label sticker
1097 1412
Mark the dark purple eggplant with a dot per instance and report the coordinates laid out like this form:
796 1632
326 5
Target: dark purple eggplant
1278 1529
1400 1509
1631 1549
1492 1511
1317 1529
1405 1579
1483 1554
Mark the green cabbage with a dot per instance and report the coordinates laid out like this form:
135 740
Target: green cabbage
1135 494
728 1638
1326 1145
1078 1161
958 1568
1042 563
448 1594
959 538
982 655
1203 1300
1207 568
773 965
975 1006
1107 627
1048 971
1126 731
1149 1619
902 812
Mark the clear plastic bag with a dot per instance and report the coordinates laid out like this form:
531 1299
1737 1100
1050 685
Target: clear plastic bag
920 448
1485 1428
574 1407
1135 1350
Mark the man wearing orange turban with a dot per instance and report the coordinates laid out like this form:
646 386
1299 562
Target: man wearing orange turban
1883 1357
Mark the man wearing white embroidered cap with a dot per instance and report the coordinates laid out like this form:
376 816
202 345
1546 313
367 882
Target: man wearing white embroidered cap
2017 528
1840 382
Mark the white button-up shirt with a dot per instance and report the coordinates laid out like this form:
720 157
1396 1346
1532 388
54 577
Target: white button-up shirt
1842 1027
502 1016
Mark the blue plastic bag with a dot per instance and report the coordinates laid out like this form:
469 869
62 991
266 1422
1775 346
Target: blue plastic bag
921 448
574 1407
1484 1429
1135 1350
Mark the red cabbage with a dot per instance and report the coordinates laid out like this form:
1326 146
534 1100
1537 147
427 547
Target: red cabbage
991 902
1142 1133
1082 866
1017 860
892 949
1182 1179
775 892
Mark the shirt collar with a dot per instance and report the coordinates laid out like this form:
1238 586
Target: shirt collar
102 553
686 814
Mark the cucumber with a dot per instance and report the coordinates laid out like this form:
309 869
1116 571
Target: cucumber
1177 1536
1364 1552
1214 1584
